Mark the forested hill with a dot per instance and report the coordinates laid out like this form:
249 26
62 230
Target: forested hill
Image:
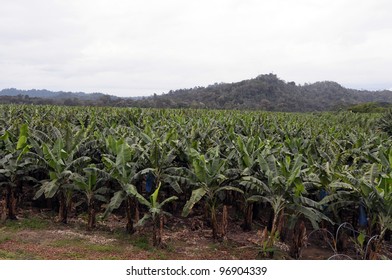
265 92
268 92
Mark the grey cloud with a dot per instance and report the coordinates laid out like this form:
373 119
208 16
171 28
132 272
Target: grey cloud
141 47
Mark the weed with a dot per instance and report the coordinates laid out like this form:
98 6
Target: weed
75 256
170 248
158 254
29 223
103 248
18 255
141 242
4 239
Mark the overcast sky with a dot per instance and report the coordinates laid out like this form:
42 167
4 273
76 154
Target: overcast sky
141 47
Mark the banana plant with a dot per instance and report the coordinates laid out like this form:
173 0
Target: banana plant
14 167
90 184
385 122
376 188
329 178
247 154
121 165
158 160
62 160
155 212
208 178
281 186
375 193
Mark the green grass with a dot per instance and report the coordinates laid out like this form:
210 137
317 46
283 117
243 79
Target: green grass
159 255
170 247
103 248
4 238
214 246
142 242
27 223
75 256
18 255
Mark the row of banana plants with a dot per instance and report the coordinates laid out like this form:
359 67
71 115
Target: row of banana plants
314 168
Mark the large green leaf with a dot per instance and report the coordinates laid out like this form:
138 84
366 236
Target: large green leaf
50 158
195 197
111 144
244 155
124 155
173 182
147 139
252 182
21 142
115 202
200 168
312 215
167 200
228 188
295 172
154 196
50 188
24 151
131 190
99 173
6 136
108 163
216 167
23 133
254 198
143 220
78 161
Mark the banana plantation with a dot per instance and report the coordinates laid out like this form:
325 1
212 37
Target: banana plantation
290 179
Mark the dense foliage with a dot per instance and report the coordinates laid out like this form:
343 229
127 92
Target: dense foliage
370 107
268 92
318 170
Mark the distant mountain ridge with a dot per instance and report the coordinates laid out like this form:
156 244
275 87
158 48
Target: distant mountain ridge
265 92
43 93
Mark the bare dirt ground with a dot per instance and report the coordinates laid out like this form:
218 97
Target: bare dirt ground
37 235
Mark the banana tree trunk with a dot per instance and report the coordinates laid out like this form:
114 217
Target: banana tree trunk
11 203
276 224
225 221
3 207
137 213
63 210
214 223
281 226
248 217
91 215
157 231
298 239
130 210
